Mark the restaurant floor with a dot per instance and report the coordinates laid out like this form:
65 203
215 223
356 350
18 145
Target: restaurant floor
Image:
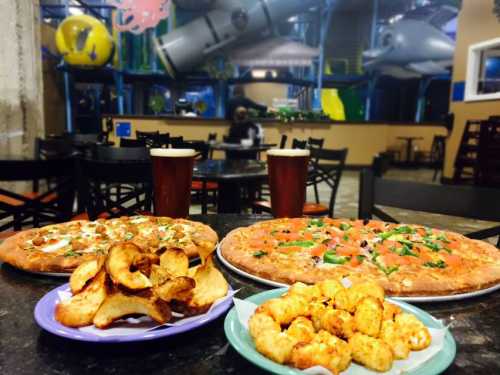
347 202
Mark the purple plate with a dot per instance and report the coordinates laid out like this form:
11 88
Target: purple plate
44 316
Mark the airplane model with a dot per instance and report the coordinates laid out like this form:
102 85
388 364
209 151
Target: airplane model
420 42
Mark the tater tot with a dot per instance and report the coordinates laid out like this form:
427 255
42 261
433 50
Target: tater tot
315 354
418 335
275 346
260 323
284 310
329 288
390 311
309 292
349 298
302 330
342 347
338 322
371 352
395 339
368 316
317 310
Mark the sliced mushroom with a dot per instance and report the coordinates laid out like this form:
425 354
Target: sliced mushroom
121 258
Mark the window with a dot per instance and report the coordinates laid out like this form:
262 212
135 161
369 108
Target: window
483 71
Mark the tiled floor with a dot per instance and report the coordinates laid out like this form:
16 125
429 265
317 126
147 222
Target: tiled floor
347 202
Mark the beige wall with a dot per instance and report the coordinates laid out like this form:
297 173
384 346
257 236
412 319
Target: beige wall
476 23
362 140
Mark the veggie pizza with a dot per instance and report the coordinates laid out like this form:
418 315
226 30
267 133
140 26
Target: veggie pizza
407 260
60 248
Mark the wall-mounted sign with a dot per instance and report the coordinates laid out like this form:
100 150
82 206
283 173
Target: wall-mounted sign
123 129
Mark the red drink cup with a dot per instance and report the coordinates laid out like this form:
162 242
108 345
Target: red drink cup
172 176
287 180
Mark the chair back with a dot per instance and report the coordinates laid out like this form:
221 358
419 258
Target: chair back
152 139
327 166
463 201
116 188
212 137
202 149
53 205
177 142
131 143
77 138
164 140
52 148
121 153
489 154
315 142
296 143
283 140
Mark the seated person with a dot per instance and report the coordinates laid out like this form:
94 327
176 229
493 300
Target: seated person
243 128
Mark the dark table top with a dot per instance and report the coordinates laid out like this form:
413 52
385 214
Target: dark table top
26 349
238 147
233 170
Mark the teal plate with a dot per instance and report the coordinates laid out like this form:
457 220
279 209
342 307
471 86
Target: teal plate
241 341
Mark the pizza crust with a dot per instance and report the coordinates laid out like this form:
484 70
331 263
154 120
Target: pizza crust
412 282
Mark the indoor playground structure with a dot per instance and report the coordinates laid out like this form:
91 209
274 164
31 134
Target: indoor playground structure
144 57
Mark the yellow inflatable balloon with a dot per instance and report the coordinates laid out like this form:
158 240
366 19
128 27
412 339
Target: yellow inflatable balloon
84 41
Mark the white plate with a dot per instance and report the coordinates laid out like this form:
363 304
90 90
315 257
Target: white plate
419 299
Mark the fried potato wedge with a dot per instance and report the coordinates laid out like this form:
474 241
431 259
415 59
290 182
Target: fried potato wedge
120 305
175 262
80 310
120 260
144 263
210 286
84 273
179 288
159 275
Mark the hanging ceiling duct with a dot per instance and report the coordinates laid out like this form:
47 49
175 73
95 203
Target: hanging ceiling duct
276 52
190 45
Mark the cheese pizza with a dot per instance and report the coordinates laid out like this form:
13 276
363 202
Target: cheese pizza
62 247
407 260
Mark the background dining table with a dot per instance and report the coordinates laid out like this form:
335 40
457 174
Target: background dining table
231 176
27 349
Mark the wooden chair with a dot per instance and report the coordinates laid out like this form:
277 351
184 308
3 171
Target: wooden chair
283 140
53 205
152 139
132 143
99 184
463 201
329 172
436 157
